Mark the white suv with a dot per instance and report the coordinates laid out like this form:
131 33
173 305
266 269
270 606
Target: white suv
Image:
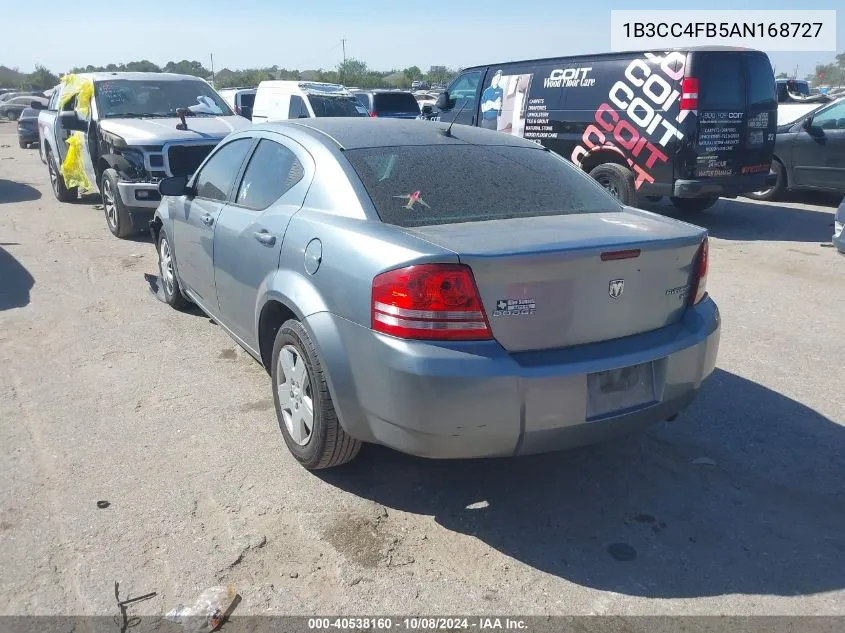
276 100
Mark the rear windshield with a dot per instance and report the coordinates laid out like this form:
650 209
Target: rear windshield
761 81
335 106
395 102
721 81
734 81
247 100
414 186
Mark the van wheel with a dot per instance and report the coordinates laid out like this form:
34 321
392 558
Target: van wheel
694 205
57 182
618 181
117 216
774 192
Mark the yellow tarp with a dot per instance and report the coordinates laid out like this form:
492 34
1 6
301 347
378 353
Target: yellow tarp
72 169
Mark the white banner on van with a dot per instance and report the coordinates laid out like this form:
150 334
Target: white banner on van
770 31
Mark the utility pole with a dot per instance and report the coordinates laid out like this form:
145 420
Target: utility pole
343 43
212 70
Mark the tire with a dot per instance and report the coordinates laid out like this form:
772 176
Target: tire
694 205
23 144
776 191
118 218
11 116
326 444
167 273
618 181
57 182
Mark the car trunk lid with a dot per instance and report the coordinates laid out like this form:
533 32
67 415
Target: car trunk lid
557 281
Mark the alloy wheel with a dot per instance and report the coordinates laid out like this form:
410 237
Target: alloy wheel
165 264
295 395
109 203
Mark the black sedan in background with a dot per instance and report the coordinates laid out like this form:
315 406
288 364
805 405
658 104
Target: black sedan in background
28 127
12 108
809 153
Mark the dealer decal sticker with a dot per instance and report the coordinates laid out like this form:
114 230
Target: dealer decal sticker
514 307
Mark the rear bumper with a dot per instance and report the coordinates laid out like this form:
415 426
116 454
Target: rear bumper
142 195
732 186
29 136
476 400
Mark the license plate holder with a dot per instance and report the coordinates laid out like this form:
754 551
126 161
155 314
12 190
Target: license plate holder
618 390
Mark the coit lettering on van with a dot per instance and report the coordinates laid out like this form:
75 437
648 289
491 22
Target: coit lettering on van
569 78
634 121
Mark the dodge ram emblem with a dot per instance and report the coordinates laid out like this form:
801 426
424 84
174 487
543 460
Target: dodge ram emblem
615 288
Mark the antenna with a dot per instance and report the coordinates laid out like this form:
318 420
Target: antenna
448 130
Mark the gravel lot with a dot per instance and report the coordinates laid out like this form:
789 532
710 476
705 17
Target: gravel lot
107 394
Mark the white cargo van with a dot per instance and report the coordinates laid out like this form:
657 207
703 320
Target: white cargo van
275 100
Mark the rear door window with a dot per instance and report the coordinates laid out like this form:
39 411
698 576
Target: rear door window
272 170
444 184
395 102
761 82
721 81
247 99
336 106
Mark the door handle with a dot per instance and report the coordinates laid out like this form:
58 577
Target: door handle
268 239
207 219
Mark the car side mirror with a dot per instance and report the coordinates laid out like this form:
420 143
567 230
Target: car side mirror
71 121
175 186
37 105
443 101
812 130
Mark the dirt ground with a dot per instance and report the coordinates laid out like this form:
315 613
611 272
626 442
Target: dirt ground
106 394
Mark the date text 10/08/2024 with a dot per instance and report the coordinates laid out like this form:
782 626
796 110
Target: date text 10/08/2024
418 624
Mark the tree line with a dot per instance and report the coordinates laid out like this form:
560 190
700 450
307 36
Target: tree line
830 74
352 72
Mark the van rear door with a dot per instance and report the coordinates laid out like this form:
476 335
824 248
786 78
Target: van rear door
737 113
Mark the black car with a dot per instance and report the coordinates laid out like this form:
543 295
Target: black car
692 124
809 153
28 127
390 104
12 108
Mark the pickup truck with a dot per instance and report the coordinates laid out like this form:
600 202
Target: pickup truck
119 134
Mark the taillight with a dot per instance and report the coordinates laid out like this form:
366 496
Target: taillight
373 114
689 94
237 109
429 301
699 282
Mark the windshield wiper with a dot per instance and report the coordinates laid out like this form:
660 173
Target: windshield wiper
136 115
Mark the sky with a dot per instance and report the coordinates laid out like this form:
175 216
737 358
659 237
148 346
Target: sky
306 35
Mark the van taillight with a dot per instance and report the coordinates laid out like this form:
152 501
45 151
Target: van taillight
431 302
373 114
699 282
689 94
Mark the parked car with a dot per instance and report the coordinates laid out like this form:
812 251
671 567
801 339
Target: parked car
809 154
12 108
28 127
420 84
448 293
789 87
691 124
279 100
240 100
391 104
839 228
138 129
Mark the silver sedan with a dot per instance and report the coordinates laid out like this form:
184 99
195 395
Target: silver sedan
449 293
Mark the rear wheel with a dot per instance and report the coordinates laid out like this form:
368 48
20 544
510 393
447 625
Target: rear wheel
618 181
117 216
694 205
57 181
23 144
774 192
304 407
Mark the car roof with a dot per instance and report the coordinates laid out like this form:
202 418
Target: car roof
617 55
365 132
111 76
